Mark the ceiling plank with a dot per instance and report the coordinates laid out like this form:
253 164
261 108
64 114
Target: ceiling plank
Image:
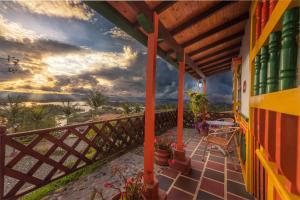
164 6
226 60
229 48
225 69
232 54
218 42
216 66
141 6
200 17
217 29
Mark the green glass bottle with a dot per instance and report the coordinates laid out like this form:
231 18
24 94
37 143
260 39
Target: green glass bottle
263 70
273 62
288 53
256 75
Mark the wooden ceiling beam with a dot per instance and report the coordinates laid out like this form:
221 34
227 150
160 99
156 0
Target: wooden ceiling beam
217 43
200 17
164 6
216 66
225 60
215 53
217 29
232 54
225 69
142 7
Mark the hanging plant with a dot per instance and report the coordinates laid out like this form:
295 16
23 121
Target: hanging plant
198 104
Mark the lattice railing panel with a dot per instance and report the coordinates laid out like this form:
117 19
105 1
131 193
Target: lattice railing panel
42 156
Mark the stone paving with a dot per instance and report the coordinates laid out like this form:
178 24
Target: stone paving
213 179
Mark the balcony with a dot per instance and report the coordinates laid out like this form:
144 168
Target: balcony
43 156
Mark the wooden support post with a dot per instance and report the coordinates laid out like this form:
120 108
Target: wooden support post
180 162
151 184
2 159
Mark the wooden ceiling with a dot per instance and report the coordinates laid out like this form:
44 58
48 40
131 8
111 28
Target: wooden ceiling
208 32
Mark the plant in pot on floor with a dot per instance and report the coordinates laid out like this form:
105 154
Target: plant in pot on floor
198 104
163 150
133 187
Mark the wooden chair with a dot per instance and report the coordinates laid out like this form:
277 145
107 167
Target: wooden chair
226 120
224 142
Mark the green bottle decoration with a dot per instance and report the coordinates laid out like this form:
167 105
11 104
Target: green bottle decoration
263 70
273 62
288 54
256 75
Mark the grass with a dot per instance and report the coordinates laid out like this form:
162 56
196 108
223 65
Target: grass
51 187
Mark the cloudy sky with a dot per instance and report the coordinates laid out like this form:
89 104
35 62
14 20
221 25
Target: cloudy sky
66 48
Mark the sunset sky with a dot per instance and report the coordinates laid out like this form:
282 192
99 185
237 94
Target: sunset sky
65 47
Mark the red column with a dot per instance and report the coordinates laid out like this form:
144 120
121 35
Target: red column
2 159
150 105
152 191
180 161
180 106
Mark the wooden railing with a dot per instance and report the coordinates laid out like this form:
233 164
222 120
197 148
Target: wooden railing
42 156
30 160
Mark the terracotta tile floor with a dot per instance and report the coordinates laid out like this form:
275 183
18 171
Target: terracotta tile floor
213 179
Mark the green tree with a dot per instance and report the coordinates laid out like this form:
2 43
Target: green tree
137 108
12 110
38 115
68 109
126 108
95 100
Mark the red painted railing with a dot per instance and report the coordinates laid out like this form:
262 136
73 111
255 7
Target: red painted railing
42 156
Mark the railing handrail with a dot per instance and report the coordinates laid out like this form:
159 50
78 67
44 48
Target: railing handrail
41 131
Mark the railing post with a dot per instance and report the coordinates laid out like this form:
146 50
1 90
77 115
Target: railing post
2 159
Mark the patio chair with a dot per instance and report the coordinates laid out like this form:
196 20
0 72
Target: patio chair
226 120
215 138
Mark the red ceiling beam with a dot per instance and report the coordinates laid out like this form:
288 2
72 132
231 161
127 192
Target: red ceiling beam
200 17
217 43
217 29
215 53
230 55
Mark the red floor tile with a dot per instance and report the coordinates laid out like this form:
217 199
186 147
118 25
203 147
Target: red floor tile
197 165
231 167
233 197
212 187
172 173
216 166
186 184
175 194
236 176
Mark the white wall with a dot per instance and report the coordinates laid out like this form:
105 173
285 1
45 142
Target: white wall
244 53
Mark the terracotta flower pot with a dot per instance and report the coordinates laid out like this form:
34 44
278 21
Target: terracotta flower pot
162 157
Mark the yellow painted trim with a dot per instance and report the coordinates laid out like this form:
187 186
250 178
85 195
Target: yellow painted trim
270 194
286 101
271 26
276 180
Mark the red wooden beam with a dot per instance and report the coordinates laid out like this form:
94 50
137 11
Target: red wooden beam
217 29
230 55
180 106
217 43
200 17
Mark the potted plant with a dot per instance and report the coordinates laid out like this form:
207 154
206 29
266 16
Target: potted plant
162 150
198 104
133 187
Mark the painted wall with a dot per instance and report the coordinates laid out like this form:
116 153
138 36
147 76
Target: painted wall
244 53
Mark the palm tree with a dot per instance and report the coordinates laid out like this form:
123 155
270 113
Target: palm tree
95 100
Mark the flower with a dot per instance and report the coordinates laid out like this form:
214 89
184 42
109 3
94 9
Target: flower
108 185
173 145
171 162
